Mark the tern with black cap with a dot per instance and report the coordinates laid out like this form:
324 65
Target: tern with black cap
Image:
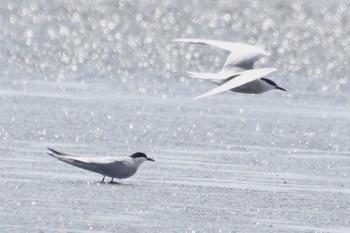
237 73
113 167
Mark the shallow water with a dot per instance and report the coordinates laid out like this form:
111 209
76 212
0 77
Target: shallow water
105 78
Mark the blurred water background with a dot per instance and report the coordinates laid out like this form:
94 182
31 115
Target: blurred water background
104 78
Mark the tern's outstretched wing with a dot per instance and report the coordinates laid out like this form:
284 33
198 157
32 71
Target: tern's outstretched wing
242 55
212 76
242 78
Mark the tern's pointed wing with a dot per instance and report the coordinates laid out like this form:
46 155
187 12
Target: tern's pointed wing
78 162
242 55
212 76
94 164
243 78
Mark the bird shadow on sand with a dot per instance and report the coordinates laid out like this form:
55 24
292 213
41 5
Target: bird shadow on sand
113 183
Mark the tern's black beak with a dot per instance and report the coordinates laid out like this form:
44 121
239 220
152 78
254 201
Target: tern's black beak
149 159
280 88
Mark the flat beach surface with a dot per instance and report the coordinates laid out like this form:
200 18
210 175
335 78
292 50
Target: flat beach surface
103 78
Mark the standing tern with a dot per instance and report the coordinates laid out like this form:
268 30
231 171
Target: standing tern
237 73
114 167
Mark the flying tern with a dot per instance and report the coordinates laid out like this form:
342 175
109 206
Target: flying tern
237 73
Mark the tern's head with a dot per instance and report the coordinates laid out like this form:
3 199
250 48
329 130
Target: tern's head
140 157
272 85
